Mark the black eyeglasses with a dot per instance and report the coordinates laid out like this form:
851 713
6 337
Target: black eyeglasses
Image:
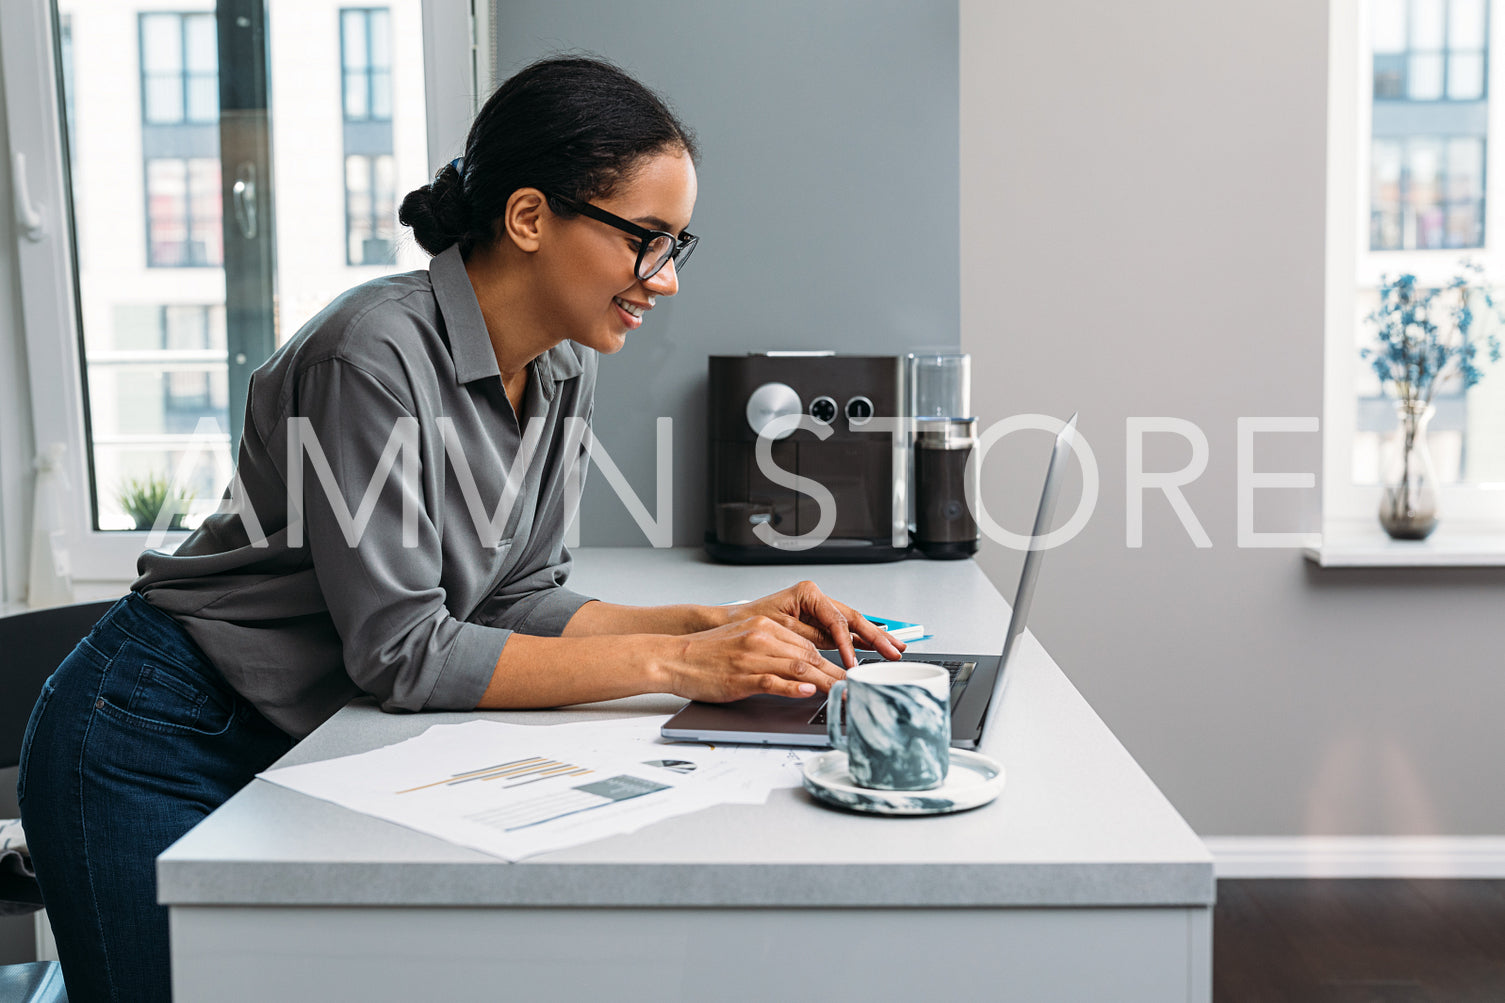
657 247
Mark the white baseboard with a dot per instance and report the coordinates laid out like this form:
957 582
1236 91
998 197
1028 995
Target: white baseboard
1358 856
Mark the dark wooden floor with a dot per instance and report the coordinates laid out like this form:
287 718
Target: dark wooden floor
1359 941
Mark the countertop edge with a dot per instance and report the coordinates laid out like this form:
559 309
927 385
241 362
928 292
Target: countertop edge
802 886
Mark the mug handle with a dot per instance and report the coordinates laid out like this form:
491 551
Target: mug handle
833 715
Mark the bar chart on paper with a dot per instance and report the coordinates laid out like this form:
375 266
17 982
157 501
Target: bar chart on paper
517 772
548 807
525 812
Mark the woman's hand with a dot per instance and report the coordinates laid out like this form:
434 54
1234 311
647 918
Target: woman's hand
808 612
751 655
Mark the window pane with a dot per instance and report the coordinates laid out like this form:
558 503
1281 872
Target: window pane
356 107
357 174
1389 77
166 212
381 96
206 205
164 99
353 38
1423 164
185 327
1389 25
1424 73
202 46
203 99
1466 24
1385 195
1426 24
1466 76
1465 193
1465 169
161 43
381 49
357 208
384 204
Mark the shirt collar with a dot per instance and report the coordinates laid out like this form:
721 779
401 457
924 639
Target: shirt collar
470 345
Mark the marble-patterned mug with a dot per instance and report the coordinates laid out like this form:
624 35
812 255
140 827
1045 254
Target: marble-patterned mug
898 725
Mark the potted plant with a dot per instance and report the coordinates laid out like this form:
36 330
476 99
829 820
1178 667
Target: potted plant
1425 338
143 499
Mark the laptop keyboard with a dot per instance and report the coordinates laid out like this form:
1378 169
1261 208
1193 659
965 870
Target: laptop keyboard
960 673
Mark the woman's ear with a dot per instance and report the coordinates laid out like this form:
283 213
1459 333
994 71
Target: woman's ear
522 222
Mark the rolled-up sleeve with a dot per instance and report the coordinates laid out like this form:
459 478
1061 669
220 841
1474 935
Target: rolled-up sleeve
381 577
537 602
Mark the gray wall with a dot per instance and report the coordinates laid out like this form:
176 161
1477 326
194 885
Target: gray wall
1145 185
827 209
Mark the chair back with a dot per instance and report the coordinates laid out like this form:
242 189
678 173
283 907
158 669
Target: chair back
32 644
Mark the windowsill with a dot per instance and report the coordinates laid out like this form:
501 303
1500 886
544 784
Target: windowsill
1365 545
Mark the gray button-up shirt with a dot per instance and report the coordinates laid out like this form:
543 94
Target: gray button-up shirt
302 605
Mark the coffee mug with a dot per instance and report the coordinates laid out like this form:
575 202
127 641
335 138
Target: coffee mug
898 724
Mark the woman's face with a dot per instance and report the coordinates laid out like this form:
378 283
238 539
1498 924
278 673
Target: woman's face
597 295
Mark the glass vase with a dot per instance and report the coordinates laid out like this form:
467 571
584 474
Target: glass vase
1408 486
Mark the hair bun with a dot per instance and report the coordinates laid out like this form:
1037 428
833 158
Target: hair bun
438 212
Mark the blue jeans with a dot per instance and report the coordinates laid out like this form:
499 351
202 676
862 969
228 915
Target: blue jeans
135 738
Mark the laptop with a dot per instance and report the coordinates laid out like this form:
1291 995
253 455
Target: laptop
976 680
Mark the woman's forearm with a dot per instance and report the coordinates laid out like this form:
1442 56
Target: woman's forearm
557 671
597 618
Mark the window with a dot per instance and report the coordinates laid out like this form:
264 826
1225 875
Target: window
183 213
1411 168
160 282
366 61
366 82
370 208
179 69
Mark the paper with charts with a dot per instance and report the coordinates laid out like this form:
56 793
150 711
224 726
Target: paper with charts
516 790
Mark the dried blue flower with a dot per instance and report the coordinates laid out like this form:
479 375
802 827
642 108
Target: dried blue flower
1425 336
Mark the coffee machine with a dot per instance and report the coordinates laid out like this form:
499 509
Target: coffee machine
836 460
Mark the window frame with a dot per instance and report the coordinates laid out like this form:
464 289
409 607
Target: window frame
1352 270
51 392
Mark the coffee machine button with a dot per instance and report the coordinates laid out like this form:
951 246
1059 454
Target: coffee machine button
771 401
823 410
859 410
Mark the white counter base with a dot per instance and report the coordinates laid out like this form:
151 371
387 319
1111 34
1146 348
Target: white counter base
695 955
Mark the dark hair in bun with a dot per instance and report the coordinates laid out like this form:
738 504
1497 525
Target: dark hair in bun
570 126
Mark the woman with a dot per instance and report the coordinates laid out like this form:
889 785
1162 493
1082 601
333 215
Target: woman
358 550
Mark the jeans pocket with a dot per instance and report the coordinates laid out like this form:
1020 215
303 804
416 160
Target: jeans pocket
31 731
145 690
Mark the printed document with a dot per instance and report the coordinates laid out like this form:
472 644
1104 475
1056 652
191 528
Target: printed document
514 790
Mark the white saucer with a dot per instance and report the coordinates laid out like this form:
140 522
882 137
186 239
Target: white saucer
973 780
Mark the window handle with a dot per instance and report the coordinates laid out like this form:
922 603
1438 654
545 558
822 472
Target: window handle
243 192
28 213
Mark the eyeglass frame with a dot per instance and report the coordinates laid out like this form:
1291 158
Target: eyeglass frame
683 245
